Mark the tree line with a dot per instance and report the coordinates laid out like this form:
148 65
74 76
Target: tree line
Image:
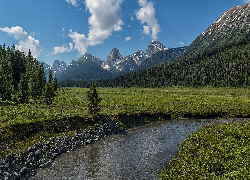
23 77
222 66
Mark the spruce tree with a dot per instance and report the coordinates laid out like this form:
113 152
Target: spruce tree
5 79
49 93
93 100
41 77
23 94
34 85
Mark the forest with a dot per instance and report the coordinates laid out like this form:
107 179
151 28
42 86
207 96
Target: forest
23 78
222 66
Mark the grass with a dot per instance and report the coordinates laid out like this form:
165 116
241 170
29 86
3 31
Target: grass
214 152
23 124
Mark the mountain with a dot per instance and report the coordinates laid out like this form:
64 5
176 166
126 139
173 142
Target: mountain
86 68
154 47
113 60
232 25
218 57
57 67
116 64
161 57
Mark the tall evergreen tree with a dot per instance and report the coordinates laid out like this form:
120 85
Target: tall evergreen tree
5 79
34 85
41 77
23 89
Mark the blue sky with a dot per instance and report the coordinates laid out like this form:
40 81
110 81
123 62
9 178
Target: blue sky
66 29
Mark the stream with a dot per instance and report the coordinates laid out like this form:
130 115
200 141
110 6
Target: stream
138 153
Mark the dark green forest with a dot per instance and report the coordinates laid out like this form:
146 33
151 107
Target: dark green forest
23 77
226 65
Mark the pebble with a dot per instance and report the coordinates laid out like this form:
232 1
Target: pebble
41 155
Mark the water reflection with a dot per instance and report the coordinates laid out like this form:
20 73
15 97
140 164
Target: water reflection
137 154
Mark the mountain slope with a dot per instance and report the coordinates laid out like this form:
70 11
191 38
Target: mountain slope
161 57
220 66
85 69
232 25
218 57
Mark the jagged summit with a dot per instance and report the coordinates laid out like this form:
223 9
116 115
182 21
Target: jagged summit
86 57
154 47
113 60
230 26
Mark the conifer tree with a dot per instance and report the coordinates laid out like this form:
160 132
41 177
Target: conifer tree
34 85
55 84
49 92
41 77
23 94
5 79
93 100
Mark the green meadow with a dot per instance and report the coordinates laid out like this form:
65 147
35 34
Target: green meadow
214 152
21 125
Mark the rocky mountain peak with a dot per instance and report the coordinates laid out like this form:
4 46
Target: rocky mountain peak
154 47
86 57
229 27
113 60
139 57
236 18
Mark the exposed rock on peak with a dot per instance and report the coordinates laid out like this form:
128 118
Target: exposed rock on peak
94 59
154 47
113 60
229 27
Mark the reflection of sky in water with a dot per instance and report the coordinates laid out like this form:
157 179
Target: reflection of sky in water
138 154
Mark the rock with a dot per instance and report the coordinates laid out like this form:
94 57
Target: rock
12 166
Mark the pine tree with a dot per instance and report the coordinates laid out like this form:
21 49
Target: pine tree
55 84
49 93
34 85
23 94
93 100
41 77
5 79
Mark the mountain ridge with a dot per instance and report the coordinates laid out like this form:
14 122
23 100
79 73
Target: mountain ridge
116 64
231 25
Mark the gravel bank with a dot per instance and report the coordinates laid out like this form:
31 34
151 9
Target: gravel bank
41 155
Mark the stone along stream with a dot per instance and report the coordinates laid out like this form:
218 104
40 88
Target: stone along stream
138 153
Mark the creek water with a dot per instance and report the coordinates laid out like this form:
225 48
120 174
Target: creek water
138 153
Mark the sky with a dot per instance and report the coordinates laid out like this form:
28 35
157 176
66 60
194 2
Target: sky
66 29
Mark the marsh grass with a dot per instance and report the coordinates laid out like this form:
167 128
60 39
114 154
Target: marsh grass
71 104
214 152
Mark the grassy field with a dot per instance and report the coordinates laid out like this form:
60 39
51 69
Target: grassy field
22 125
214 152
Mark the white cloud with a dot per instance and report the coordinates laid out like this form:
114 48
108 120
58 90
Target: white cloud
146 30
25 42
105 18
182 43
73 2
63 48
245 1
80 41
147 15
128 38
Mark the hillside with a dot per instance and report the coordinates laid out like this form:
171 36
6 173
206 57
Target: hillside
231 26
86 70
90 68
222 61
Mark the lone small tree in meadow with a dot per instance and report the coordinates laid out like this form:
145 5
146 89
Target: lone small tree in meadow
93 100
